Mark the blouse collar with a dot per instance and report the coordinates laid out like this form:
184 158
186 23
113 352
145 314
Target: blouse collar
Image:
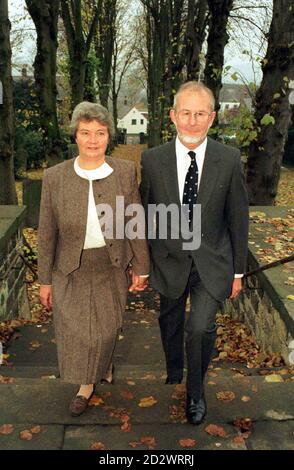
97 173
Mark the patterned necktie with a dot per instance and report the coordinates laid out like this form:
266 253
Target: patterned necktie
191 185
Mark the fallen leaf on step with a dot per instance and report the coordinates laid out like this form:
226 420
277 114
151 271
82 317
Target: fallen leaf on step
274 378
6 380
26 435
149 441
245 398
215 430
225 396
126 395
187 442
34 344
35 430
147 402
6 429
96 401
97 446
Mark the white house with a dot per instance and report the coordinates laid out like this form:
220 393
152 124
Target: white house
134 122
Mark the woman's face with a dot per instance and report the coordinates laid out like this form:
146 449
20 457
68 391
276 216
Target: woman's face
92 139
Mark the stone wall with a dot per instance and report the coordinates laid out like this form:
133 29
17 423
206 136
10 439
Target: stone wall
13 296
264 304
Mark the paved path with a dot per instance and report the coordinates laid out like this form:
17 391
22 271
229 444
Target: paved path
32 397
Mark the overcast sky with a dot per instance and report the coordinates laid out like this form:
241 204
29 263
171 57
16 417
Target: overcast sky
25 52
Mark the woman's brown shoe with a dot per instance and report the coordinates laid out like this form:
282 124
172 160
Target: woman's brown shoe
79 404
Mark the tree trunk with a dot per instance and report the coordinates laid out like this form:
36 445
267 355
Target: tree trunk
7 183
78 45
273 112
216 42
45 17
195 34
164 28
104 45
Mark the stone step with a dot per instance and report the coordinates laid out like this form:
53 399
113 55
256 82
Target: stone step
36 401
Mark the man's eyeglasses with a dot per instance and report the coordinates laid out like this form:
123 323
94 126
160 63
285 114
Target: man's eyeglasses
185 115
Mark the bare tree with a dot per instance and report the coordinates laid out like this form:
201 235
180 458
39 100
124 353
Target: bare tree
104 40
79 41
216 42
197 21
7 183
45 16
273 112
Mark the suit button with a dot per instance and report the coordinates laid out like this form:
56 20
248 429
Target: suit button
102 213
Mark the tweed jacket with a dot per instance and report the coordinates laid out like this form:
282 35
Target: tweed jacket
224 220
63 218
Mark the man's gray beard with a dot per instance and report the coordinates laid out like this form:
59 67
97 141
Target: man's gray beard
188 139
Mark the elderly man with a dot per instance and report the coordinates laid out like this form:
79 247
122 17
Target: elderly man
194 169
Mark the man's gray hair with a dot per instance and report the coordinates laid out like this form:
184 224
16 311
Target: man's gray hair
197 87
86 111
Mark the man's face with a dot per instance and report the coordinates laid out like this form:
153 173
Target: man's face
192 117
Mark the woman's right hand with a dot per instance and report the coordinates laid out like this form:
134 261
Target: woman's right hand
46 296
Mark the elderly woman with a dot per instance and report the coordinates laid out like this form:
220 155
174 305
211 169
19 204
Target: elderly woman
84 273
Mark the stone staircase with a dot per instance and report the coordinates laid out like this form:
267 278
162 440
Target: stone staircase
32 397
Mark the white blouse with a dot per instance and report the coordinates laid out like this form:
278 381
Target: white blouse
94 237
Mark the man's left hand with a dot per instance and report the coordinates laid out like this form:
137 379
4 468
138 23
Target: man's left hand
139 283
236 287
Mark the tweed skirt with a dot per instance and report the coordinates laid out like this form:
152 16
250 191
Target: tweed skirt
87 310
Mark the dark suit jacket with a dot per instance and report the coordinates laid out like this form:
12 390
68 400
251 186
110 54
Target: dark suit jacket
63 218
224 220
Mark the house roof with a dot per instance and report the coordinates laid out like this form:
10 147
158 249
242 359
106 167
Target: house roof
233 93
141 107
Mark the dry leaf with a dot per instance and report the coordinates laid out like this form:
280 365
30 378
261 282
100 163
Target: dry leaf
187 442
96 401
245 398
215 430
147 402
6 380
274 378
35 430
238 440
149 441
243 424
98 446
135 444
6 429
225 396
26 435
126 395
126 426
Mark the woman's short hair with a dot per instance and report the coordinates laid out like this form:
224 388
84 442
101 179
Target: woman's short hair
86 111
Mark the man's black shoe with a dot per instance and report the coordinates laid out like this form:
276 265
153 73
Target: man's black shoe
173 381
195 410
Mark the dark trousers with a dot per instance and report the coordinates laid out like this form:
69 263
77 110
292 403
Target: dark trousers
200 329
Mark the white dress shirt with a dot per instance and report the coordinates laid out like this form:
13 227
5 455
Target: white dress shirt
183 163
184 160
94 237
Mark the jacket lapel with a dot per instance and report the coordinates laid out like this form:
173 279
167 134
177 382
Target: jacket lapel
210 172
169 173
76 191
